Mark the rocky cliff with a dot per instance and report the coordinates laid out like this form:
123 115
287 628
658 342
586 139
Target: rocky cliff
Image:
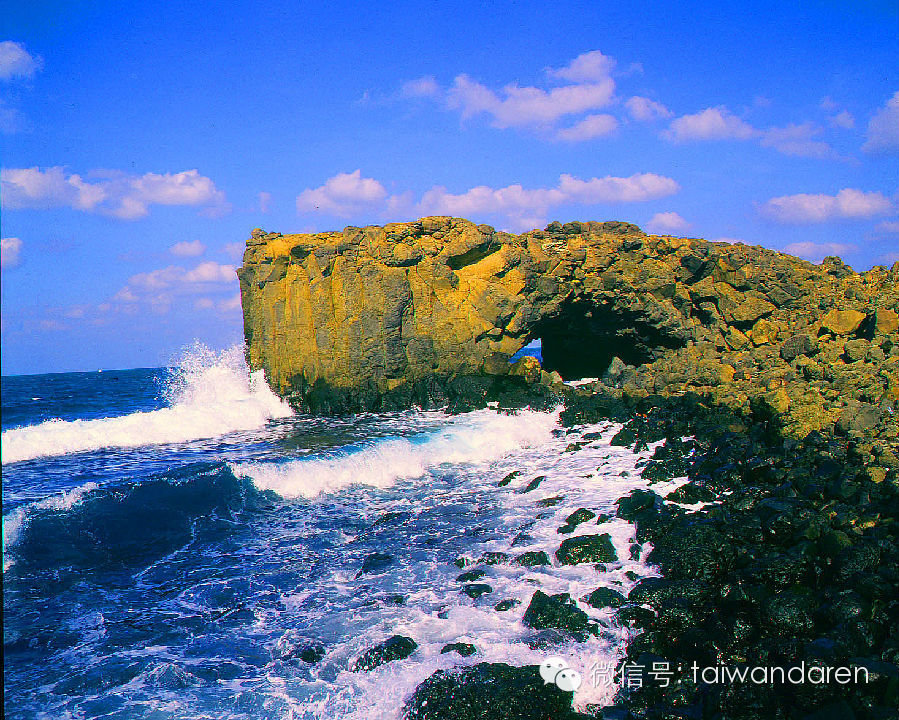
377 317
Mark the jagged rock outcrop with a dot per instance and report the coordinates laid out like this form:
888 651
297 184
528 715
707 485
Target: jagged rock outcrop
378 317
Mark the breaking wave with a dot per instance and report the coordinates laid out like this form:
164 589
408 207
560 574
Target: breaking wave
209 394
475 437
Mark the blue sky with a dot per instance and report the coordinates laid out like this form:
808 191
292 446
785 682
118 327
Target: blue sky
141 146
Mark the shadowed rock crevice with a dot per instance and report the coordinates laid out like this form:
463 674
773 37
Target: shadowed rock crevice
583 336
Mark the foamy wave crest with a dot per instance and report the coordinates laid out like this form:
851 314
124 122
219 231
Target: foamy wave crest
210 394
476 437
15 521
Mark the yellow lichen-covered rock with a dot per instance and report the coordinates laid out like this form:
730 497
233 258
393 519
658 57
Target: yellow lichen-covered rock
390 316
842 322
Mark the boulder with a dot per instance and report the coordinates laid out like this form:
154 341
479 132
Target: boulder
393 648
587 549
546 611
489 691
842 322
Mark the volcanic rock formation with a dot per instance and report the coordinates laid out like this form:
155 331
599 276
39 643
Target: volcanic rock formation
380 317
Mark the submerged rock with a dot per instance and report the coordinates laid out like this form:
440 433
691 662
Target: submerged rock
475 590
375 563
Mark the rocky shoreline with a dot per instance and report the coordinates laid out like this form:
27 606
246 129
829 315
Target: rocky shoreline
782 375
793 560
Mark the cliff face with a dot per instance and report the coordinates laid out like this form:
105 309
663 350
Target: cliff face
374 317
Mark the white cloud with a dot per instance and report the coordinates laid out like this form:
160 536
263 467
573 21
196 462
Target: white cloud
113 193
883 128
891 226
158 289
588 87
9 251
807 209
816 252
348 193
667 222
843 120
223 305
592 126
797 140
17 62
528 106
714 123
188 249
265 202
342 195
528 208
643 109
585 68
421 87
636 188
11 119
229 304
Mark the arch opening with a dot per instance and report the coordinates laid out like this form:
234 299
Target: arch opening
582 337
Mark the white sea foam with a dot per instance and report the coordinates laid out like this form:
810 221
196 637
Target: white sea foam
211 393
475 437
437 613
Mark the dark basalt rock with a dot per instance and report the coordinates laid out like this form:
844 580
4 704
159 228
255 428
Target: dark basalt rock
393 648
579 516
475 590
471 575
529 559
312 653
464 649
586 549
489 691
375 563
547 611
504 605
605 597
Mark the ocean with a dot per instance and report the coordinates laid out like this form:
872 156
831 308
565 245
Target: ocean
177 543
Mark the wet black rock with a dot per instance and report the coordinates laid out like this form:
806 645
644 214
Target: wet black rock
393 648
576 518
471 575
506 480
586 549
475 590
489 691
533 484
529 559
494 558
312 653
605 597
504 605
375 563
464 649
559 612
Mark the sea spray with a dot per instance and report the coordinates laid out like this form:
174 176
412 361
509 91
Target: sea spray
475 437
209 393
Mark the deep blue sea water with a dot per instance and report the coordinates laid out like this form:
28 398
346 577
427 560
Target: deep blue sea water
174 538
